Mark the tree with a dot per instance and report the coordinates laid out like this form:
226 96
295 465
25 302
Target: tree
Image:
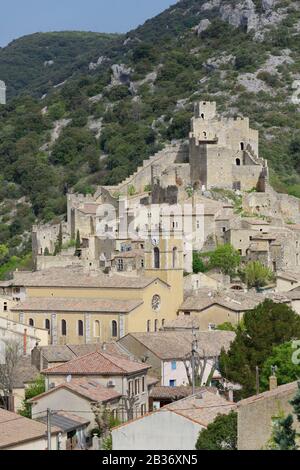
202 363
226 258
12 355
219 435
286 370
4 254
35 389
198 264
77 244
269 324
284 436
102 418
256 274
296 403
59 241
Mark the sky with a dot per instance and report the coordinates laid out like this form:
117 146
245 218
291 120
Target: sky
20 17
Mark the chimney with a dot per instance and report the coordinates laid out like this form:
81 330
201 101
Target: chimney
25 342
272 382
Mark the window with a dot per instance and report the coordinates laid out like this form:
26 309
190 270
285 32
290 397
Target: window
97 329
47 325
173 365
172 383
31 322
148 326
114 328
143 384
80 328
130 388
156 325
242 146
238 162
156 258
137 386
5 306
142 263
143 410
174 257
120 264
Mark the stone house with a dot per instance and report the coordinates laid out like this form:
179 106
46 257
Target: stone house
176 425
125 376
169 352
257 413
77 396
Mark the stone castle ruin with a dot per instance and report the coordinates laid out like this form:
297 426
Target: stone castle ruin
222 155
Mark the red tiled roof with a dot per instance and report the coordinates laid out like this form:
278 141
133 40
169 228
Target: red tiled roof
89 389
97 363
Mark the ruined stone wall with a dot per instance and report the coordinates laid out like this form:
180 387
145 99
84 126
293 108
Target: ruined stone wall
272 204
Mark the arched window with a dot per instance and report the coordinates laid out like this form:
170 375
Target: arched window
242 146
63 328
174 257
156 258
80 328
97 329
47 325
202 115
156 325
114 329
148 326
31 322
238 162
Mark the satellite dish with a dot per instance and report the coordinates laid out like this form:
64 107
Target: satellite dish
69 378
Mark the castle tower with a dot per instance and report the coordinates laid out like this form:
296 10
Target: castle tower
2 92
223 151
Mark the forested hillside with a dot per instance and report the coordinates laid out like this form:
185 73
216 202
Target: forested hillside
123 98
37 62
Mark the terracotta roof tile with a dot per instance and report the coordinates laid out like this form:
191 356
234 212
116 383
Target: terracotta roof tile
97 363
48 304
15 429
77 277
170 345
90 389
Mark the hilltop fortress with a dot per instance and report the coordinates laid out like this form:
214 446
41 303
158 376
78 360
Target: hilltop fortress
220 159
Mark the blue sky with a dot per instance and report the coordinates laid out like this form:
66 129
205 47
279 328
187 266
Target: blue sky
20 17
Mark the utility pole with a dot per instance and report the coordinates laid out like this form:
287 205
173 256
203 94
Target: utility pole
194 352
257 380
49 428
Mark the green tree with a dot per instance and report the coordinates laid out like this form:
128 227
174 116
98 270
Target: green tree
198 264
219 435
226 258
284 436
296 403
77 244
269 324
286 370
3 254
256 274
59 241
35 389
